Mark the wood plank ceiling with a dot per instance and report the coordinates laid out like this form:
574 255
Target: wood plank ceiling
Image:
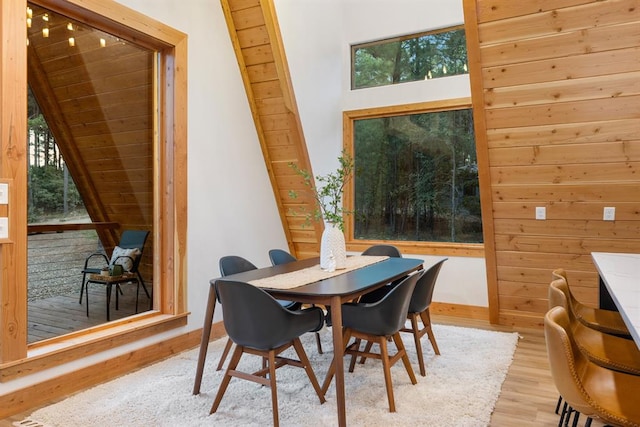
96 94
256 39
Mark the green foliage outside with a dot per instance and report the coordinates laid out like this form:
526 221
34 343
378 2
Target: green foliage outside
327 190
51 191
409 59
418 178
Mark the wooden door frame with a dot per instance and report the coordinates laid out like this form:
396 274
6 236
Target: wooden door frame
170 204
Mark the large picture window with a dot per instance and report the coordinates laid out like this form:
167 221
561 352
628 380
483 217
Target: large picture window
417 175
409 58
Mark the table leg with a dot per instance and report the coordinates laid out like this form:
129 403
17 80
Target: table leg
338 357
206 335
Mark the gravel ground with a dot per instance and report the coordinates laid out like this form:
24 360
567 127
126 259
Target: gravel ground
56 261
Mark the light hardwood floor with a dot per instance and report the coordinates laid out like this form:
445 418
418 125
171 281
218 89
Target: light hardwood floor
528 396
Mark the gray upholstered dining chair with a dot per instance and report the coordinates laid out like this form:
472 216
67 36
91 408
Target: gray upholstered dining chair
259 325
379 322
233 264
280 256
381 250
419 309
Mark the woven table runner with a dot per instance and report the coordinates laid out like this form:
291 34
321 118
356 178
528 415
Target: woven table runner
314 274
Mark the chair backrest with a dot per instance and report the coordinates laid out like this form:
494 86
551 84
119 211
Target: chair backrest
422 294
559 273
130 239
133 239
253 318
389 314
565 360
279 256
233 264
560 296
380 250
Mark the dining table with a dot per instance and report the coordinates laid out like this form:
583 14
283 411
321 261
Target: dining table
332 291
620 279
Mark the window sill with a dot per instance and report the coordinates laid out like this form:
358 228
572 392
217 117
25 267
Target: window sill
475 250
57 351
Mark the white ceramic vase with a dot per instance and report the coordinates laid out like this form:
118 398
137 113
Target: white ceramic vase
332 248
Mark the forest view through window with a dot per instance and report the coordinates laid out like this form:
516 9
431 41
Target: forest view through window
52 194
410 58
417 178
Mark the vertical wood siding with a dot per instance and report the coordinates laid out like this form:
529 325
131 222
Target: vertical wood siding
558 86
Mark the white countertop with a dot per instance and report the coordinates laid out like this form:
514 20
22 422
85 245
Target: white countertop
620 273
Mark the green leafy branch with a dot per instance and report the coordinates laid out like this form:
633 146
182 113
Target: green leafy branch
327 191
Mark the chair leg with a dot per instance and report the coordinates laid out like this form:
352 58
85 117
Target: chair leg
575 419
405 358
318 343
84 278
386 366
137 294
146 291
426 321
274 389
302 356
227 377
367 349
415 330
356 347
86 297
225 352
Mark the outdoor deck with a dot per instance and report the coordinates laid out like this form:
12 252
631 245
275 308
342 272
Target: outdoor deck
55 273
58 315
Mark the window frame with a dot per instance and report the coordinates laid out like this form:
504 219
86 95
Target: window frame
353 47
17 358
406 246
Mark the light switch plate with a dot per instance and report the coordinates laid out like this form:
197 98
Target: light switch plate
541 212
4 193
4 228
609 214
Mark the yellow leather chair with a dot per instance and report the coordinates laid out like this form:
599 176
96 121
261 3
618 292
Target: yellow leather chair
595 391
603 320
607 350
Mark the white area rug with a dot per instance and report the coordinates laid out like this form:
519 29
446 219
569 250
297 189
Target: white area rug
460 389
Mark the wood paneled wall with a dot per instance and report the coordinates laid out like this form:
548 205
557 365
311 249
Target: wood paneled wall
556 89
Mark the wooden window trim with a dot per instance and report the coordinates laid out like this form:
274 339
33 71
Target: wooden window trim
17 358
409 247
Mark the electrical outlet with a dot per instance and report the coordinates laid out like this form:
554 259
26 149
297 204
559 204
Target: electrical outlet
541 212
609 214
4 228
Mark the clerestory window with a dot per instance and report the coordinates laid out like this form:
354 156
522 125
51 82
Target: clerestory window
409 58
